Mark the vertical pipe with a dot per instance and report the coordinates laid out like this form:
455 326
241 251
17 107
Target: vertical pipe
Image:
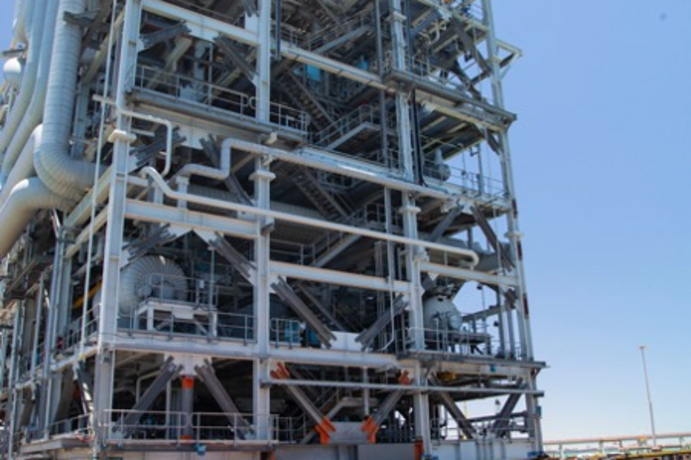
12 402
3 356
37 329
187 405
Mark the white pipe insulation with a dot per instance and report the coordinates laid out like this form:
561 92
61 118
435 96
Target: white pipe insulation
27 197
27 109
20 14
472 256
24 167
64 175
63 179
207 171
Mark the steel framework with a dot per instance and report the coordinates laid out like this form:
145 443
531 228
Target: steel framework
254 229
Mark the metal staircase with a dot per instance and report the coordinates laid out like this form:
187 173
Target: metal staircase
330 205
301 96
349 131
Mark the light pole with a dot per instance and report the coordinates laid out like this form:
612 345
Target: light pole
647 390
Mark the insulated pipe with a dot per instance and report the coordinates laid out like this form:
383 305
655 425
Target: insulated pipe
20 14
24 168
27 197
295 157
207 171
28 107
61 173
146 117
319 223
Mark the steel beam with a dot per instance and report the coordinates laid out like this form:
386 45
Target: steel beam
225 402
367 336
168 371
461 420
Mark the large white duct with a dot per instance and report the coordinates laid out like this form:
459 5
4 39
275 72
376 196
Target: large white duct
24 167
27 197
19 24
28 108
64 175
151 276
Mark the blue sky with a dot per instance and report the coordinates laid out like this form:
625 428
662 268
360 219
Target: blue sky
603 177
603 174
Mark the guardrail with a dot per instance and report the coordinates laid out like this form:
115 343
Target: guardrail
286 332
121 425
460 342
364 114
472 184
163 287
447 430
212 325
202 93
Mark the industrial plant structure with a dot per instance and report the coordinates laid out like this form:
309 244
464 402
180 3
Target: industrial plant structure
253 229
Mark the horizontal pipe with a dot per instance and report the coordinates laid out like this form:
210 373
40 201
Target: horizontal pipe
327 225
122 110
24 167
27 197
193 169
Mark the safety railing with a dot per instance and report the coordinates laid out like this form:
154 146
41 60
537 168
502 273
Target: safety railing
459 342
286 331
282 250
468 183
364 114
192 90
212 325
72 335
462 342
164 288
212 13
293 35
447 430
205 94
286 116
132 424
316 40
79 426
438 75
372 216
120 424
291 429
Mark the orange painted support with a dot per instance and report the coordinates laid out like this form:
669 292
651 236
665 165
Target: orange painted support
187 383
419 449
281 372
370 427
325 428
